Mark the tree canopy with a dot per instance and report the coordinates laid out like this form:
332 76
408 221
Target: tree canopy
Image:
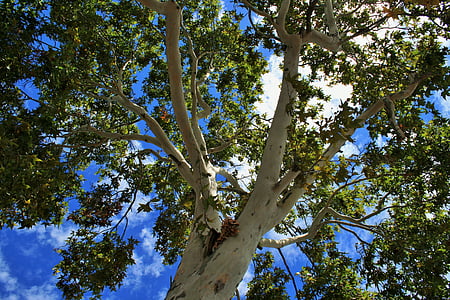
162 98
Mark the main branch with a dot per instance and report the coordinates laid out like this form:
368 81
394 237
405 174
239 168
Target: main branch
297 191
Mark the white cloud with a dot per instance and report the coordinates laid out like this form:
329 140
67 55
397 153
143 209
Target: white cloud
442 104
148 241
349 149
271 86
272 83
162 294
7 281
381 141
43 292
54 236
248 276
148 264
257 19
336 91
13 289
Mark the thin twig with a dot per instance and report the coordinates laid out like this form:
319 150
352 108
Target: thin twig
289 270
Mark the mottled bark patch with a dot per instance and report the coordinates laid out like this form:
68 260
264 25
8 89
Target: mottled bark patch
220 283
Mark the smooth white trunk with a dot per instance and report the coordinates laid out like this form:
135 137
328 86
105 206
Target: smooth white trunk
217 275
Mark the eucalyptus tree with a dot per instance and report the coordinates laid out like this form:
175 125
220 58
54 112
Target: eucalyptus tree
161 97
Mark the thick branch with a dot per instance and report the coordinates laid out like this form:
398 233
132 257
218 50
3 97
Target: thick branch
285 181
173 23
315 226
340 216
368 113
329 16
332 43
276 140
280 24
359 225
231 179
281 19
299 189
156 5
160 135
196 95
390 111
272 243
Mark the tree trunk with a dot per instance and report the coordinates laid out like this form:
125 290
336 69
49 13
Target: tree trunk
216 275
213 276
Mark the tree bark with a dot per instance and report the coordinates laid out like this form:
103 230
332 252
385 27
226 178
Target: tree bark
204 275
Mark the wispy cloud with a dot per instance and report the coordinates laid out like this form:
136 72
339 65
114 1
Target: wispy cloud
248 276
272 82
148 262
53 236
271 86
442 104
8 282
162 294
349 149
11 288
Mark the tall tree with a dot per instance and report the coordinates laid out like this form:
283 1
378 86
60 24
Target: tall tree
161 96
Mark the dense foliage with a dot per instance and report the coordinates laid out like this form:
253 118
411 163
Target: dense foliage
93 83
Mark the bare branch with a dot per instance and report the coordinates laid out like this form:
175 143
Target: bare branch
289 270
341 219
264 35
119 136
156 5
368 113
103 141
309 13
281 19
332 43
195 93
280 23
377 212
272 243
276 140
362 226
190 139
365 29
285 181
257 11
351 221
329 16
231 179
154 153
389 106
315 226
354 233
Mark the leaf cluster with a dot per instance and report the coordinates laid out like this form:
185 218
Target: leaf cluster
92 262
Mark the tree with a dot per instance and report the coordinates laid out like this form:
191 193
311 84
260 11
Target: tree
161 97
